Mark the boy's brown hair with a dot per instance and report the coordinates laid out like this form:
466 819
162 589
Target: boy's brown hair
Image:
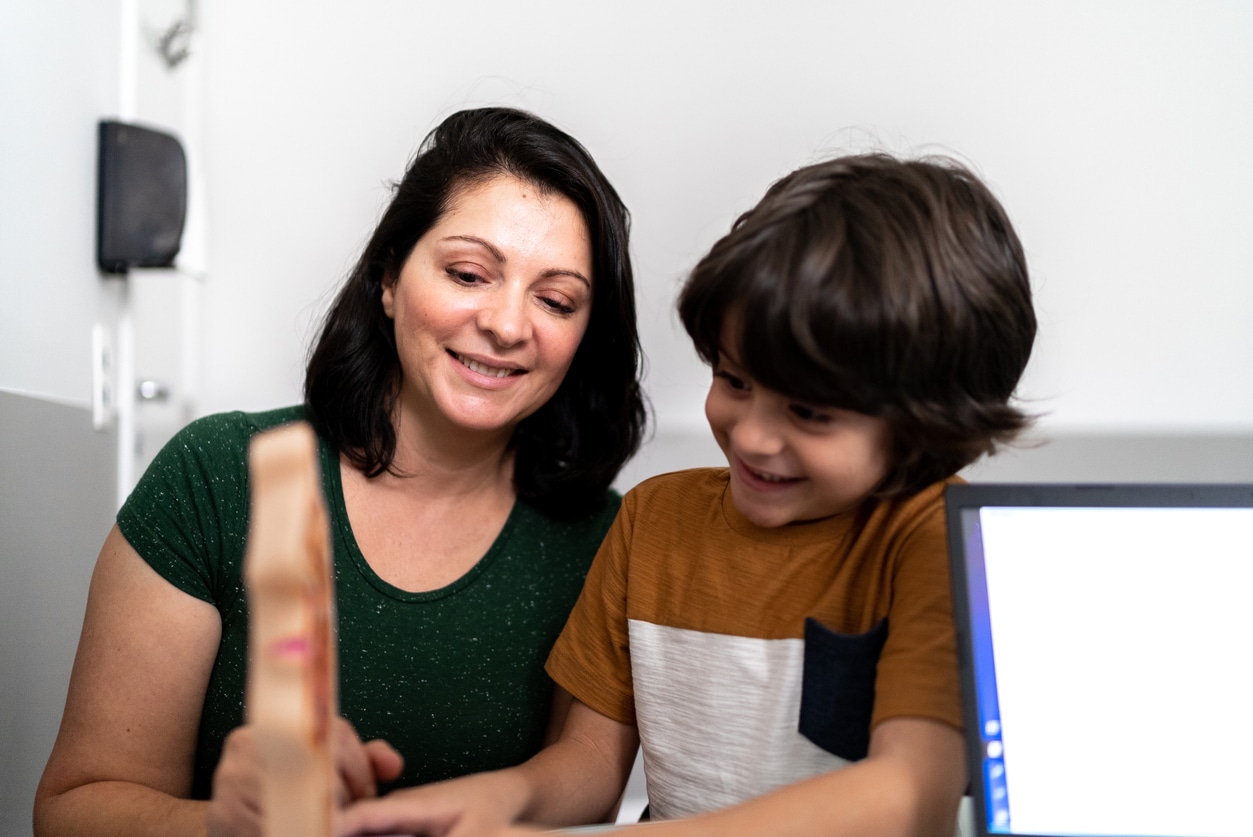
894 288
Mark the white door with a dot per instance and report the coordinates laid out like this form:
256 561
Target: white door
158 337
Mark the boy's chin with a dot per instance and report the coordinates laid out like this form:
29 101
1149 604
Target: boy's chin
765 515
772 515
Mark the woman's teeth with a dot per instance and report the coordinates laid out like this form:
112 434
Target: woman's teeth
490 371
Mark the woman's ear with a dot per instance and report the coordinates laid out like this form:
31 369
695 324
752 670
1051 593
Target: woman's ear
389 295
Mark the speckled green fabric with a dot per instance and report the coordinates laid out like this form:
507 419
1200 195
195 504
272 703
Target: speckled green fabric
453 678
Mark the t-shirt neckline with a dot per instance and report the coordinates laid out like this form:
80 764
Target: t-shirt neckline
827 529
343 532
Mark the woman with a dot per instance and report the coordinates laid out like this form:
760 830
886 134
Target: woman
475 390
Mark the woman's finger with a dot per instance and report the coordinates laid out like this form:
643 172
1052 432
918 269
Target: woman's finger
353 763
235 807
387 763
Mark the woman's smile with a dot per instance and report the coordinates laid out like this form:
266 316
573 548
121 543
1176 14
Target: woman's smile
485 368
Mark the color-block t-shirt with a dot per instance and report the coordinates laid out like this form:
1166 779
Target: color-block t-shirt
453 678
751 658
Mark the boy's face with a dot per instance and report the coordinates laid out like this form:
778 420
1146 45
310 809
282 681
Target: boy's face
791 461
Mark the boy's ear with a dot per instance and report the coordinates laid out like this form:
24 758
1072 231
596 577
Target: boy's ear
902 460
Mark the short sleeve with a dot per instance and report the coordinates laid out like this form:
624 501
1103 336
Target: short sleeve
918 674
591 658
188 515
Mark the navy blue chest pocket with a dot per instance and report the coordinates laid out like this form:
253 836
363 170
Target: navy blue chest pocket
837 687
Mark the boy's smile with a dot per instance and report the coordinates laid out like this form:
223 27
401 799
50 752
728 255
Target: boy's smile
791 461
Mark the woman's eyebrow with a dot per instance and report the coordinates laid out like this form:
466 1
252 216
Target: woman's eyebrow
473 239
565 271
500 257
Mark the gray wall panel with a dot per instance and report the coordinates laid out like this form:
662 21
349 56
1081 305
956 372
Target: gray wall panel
57 479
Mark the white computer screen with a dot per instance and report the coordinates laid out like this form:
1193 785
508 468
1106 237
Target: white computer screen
1122 650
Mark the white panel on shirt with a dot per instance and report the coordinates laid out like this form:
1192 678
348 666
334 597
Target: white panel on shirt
718 717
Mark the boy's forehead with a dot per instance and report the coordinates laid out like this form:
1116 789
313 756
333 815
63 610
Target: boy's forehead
734 351
731 335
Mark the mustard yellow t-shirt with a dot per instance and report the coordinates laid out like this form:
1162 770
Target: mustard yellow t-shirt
750 658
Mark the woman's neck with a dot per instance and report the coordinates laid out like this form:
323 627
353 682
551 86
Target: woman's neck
449 460
427 521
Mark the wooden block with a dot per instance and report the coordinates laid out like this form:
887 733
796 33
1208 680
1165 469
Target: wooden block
291 695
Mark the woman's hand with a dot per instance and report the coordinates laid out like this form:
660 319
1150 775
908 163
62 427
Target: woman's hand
361 766
575 780
235 809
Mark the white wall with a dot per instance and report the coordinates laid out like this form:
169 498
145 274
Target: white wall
1116 133
59 74
59 70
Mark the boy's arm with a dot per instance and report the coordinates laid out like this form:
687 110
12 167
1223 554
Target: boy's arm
575 780
910 785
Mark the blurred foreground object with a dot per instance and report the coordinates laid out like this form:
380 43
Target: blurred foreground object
291 698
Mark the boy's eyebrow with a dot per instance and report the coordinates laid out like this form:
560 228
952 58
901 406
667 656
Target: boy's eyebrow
500 257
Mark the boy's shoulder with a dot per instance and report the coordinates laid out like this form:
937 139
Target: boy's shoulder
925 500
694 485
928 497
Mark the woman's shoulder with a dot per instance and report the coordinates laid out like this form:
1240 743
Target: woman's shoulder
213 448
238 422
230 432
591 521
188 513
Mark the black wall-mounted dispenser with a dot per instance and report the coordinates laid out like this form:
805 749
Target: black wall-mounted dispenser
141 197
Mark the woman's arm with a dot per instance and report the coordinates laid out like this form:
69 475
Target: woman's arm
576 780
122 762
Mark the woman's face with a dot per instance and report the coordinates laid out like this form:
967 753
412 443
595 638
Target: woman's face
490 306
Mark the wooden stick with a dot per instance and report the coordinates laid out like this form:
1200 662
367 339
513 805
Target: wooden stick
291 693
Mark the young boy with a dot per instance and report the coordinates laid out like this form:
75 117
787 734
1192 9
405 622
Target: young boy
778 633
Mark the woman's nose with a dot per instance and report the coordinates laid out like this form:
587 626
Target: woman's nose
504 315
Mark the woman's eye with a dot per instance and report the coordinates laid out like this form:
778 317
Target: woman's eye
557 304
465 277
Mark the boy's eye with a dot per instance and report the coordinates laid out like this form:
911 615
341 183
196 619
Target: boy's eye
735 382
810 414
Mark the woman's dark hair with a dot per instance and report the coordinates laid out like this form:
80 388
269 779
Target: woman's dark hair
889 287
569 451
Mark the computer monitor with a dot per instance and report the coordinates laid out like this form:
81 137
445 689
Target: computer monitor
1106 639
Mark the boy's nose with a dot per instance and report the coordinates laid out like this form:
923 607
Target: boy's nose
757 432
505 317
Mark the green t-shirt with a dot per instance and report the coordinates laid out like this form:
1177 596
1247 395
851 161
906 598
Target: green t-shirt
453 678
